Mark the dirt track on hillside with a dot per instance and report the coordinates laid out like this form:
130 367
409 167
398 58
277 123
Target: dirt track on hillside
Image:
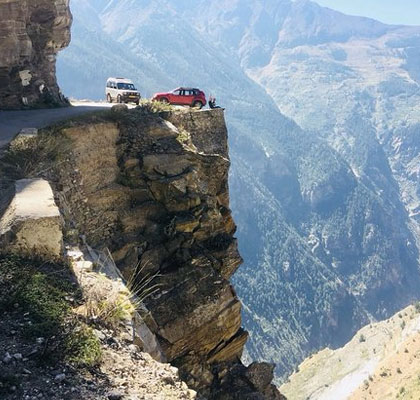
11 122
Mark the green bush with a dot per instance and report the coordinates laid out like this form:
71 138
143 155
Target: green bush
41 294
42 290
152 107
83 347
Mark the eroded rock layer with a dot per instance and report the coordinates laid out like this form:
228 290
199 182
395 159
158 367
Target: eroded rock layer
31 34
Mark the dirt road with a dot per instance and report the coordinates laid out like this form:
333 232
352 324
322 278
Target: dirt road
11 122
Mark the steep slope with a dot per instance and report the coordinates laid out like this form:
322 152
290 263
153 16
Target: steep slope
344 77
380 362
362 85
326 248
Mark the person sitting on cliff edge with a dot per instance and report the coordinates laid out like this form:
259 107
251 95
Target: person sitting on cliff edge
212 102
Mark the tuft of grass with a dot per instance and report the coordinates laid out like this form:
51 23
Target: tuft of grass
183 137
110 305
45 302
83 347
31 160
152 107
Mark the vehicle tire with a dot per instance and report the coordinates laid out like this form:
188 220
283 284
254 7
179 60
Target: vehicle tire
198 104
164 100
119 100
108 98
137 102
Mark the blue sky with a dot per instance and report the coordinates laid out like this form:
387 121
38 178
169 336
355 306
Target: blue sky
389 11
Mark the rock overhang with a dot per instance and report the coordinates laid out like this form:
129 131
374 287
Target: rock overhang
31 34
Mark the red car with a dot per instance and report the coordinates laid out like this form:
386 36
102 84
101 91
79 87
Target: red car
183 96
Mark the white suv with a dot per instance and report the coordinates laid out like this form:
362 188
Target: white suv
121 90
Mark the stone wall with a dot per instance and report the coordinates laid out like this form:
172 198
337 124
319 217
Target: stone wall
31 34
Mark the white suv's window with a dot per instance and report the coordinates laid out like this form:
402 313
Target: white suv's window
126 86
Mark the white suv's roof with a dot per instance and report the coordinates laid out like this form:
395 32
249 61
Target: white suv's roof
120 80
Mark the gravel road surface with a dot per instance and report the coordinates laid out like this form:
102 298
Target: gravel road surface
11 122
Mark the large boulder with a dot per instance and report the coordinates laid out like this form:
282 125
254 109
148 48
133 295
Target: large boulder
31 222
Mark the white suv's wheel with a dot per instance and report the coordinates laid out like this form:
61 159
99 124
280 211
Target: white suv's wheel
108 98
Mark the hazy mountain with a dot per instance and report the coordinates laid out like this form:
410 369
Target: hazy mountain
379 363
327 213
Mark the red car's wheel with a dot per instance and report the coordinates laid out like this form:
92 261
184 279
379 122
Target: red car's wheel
164 100
198 104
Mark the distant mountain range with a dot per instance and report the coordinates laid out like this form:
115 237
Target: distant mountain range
323 112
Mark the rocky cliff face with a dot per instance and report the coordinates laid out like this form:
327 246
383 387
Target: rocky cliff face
153 189
161 205
31 34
